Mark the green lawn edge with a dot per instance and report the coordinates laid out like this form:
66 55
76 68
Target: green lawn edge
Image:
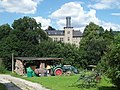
67 83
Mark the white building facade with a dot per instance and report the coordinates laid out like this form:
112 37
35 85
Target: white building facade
68 35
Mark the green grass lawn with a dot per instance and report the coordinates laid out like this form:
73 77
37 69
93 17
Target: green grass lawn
2 87
66 83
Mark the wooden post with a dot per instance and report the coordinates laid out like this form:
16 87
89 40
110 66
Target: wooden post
12 62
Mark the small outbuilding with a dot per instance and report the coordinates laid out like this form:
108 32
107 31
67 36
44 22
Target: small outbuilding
21 63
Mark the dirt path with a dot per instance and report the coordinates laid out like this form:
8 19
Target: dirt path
13 83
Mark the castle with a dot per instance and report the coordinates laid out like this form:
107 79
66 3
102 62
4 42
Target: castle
68 35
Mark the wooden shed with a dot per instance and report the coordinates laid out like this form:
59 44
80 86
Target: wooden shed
21 63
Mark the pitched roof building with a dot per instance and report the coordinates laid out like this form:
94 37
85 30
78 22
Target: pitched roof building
68 35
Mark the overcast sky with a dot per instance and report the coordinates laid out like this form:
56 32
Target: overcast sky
53 12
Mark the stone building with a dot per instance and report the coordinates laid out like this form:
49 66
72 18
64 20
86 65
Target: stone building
68 35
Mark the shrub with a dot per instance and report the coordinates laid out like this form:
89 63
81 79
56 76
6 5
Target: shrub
2 69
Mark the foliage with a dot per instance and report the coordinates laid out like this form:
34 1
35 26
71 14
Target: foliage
4 30
2 69
48 49
25 23
22 39
116 32
93 44
89 79
69 52
27 29
110 62
26 38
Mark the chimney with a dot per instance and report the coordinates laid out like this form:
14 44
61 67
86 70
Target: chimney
68 22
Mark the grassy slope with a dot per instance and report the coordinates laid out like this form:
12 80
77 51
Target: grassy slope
65 82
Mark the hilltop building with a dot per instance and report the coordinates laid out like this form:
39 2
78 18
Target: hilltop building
68 35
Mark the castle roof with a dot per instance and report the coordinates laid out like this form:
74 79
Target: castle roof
77 34
55 32
61 33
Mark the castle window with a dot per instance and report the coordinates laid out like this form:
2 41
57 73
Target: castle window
68 38
61 39
55 39
68 32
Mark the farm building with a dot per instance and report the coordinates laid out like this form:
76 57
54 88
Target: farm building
37 64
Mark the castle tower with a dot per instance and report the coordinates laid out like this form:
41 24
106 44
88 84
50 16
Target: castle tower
68 21
68 31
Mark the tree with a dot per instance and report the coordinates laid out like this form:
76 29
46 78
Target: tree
110 62
69 52
8 46
93 44
25 23
4 30
28 29
22 39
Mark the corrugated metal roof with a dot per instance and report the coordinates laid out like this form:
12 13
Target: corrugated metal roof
36 58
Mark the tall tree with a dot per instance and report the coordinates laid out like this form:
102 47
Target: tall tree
22 39
93 44
25 23
28 29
